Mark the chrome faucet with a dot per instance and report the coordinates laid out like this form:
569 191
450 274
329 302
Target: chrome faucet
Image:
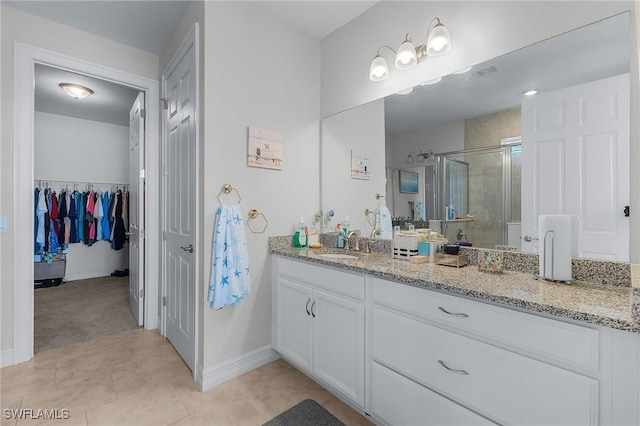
348 237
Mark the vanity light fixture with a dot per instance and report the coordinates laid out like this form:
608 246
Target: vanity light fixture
75 90
462 71
405 91
425 155
430 82
437 42
419 157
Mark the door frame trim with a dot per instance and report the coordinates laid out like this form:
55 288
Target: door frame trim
25 58
191 39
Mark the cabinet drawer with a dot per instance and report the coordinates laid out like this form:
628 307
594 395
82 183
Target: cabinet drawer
500 384
569 344
340 282
399 401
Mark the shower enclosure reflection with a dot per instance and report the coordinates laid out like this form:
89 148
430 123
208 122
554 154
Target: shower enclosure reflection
475 194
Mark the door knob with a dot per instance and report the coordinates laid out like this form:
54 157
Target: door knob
529 238
188 248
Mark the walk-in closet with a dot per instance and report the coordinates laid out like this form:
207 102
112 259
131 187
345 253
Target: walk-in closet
81 208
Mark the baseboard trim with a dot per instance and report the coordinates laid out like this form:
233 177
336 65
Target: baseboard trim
88 275
218 374
6 358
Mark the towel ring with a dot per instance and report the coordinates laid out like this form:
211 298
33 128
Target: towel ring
253 214
226 189
368 212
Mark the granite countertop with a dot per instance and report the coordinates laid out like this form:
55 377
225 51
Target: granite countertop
610 306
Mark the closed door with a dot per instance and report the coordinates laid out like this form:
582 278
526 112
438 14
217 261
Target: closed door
180 203
575 160
136 209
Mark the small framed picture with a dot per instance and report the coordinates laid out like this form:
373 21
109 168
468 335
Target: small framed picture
408 182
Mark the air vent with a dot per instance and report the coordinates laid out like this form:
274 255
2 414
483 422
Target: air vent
486 70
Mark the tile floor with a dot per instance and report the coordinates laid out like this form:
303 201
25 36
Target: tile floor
136 378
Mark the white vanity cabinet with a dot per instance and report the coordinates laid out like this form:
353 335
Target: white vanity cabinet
319 324
491 364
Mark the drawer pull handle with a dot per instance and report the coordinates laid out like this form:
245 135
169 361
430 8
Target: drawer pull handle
313 314
307 307
461 372
453 313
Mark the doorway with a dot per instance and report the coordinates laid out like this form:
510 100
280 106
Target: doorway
25 59
82 180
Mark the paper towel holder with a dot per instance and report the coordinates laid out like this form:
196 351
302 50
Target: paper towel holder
544 263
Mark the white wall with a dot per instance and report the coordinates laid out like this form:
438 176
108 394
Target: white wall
259 71
359 129
71 149
24 28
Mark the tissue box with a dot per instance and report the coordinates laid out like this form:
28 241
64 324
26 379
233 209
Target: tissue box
405 245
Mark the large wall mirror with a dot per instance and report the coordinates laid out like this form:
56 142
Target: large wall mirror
461 135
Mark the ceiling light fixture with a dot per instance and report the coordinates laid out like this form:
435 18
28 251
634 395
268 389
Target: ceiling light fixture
530 92
75 90
437 42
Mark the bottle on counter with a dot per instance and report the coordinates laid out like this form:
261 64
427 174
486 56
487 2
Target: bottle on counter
300 234
341 235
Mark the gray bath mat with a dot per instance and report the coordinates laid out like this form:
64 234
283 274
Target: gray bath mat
305 413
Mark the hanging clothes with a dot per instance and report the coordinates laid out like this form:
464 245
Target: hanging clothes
119 236
73 219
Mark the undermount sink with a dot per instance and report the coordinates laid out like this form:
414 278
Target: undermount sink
338 256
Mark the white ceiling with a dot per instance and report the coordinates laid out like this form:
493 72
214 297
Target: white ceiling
110 102
147 25
570 59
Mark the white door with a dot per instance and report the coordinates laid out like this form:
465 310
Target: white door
180 202
136 208
575 160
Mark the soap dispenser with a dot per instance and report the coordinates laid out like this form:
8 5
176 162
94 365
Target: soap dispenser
300 235
346 225
341 236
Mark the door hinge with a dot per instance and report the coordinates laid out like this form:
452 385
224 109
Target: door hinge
165 103
165 170
142 293
142 173
143 113
164 235
164 300
626 211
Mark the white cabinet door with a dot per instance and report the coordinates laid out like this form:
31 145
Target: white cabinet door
338 343
293 327
575 160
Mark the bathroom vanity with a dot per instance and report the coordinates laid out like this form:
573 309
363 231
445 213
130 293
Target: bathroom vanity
425 344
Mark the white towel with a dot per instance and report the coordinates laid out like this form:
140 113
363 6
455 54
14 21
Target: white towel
385 226
230 281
